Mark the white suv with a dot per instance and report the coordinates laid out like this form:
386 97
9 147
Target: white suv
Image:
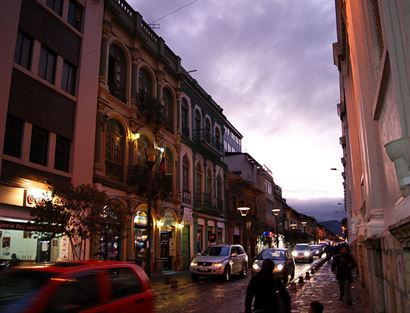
220 260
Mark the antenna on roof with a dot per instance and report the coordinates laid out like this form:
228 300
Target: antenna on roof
154 25
191 71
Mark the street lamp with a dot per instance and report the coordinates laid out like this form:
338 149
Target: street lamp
276 214
304 226
152 155
243 210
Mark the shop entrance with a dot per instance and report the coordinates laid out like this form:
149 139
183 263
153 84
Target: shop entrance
141 238
185 247
166 240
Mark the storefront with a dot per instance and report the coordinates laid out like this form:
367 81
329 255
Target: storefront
168 245
140 225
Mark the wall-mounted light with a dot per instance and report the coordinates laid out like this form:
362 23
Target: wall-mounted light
180 226
160 223
134 136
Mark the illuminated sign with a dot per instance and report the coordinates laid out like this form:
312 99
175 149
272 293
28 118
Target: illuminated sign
35 195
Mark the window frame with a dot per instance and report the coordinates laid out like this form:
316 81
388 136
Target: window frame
114 149
117 79
69 78
46 52
18 147
18 52
36 130
74 5
52 5
66 153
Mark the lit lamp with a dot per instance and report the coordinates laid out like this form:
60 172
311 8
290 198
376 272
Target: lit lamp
134 136
304 226
276 214
243 210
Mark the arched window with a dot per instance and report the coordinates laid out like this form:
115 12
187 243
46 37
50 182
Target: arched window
117 73
208 130
169 110
169 170
114 149
218 144
184 118
143 145
219 188
185 173
144 87
197 120
209 182
198 183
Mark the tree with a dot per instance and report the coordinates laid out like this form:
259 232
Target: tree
78 212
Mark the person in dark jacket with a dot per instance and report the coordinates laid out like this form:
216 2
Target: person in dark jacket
342 266
270 294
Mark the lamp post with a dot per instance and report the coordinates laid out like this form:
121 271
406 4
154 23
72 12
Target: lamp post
276 214
244 211
152 155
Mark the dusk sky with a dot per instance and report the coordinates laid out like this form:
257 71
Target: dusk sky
269 65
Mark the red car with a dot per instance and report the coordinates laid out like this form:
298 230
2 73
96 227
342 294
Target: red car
68 287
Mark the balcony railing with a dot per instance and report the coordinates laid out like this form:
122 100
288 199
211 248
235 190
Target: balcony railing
204 202
204 137
186 197
151 109
161 182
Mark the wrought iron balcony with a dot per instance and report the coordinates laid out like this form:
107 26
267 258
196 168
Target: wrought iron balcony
204 137
205 203
151 109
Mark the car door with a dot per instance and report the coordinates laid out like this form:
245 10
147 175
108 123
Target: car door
235 256
127 293
77 293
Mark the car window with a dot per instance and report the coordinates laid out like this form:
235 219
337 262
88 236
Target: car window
124 282
241 250
77 293
235 250
272 254
301 247
216 251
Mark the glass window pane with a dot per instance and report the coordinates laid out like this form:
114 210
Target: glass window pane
75 15
62 154
13 137
124 283
39 146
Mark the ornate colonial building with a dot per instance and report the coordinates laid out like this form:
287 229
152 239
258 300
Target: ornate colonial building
137 132
373 57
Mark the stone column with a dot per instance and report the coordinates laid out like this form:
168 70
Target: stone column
178 174
134 75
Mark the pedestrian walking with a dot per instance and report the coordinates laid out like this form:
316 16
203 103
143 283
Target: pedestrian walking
316 307
269 292
342 266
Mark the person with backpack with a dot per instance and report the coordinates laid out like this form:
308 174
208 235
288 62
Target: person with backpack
269 292
342 266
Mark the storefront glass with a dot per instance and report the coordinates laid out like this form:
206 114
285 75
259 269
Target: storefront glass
140 238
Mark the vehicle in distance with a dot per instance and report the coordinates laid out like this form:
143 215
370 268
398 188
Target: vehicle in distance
84 286
284 263
220 260
302 252
317 250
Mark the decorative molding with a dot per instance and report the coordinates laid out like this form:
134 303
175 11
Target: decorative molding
399 152
401 231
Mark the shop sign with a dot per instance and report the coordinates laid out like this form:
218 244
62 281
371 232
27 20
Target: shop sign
63 255
27 226
35 195
187 218
220 225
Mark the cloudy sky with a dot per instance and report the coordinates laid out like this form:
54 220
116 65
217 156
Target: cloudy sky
269 64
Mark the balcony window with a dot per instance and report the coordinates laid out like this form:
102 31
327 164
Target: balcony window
114 149
169 110
208 130
13 137
75 15
22 54
47 65
198 182
143 145
117 71
209 182
185 173
184 117
39 145
56 6
218 138
197 120
68 78
144 87
62 154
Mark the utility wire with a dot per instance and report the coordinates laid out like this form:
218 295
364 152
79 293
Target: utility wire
174 11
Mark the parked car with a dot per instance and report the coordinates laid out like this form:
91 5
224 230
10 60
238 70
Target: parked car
80 287
302 252
317 250
220 260
284 263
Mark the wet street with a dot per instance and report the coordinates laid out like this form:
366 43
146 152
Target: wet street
208 294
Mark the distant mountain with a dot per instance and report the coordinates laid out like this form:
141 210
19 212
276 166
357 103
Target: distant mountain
334 226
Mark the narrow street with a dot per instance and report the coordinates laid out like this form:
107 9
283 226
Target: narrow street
209 293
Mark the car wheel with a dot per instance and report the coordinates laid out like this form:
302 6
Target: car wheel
227 274
244 269
194 277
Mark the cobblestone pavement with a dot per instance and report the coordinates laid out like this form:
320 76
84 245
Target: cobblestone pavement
323 287
207 295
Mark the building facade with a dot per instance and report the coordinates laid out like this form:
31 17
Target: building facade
372 54
48 94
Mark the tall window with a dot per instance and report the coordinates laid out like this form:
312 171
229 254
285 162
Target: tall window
169 110
219 188
144 86
13 137
75 15
184 118
47 66
117 71
209 182
185 173
198 185
62 154
218 139
56 6
114 149
143 145
39 145
68 78
208 130
22 54
169 169
197 120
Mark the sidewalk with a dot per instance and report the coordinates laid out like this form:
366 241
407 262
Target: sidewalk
163 283
323 288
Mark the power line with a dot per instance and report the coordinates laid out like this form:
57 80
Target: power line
174 11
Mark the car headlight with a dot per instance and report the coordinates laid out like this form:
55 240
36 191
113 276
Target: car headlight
307 253
294 253
218 265
278 268
194 262
255 266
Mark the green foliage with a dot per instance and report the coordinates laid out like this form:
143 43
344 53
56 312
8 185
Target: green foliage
79 212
